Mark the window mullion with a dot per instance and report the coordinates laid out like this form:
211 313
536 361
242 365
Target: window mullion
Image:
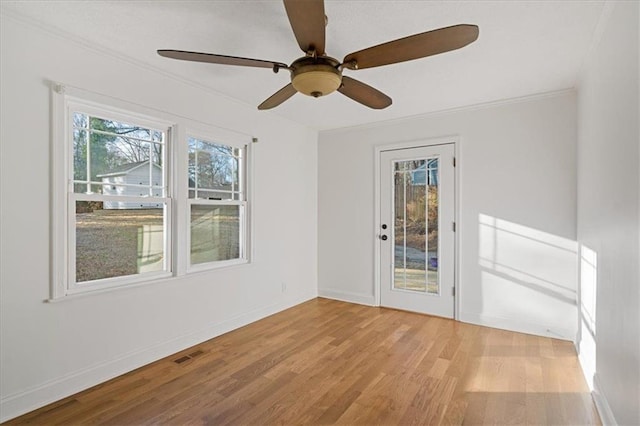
150 172
178 180
241 179
196 166
233 176
87 136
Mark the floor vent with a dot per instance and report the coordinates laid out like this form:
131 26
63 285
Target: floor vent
182 359
188 357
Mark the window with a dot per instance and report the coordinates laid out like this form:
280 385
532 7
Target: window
123 183
217 203
118 199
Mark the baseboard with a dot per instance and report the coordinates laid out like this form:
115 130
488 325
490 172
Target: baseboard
345 296
23 402
519 326
602 405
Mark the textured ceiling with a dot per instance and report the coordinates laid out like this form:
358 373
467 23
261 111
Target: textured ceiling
524 48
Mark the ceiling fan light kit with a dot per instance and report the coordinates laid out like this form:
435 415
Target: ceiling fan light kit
316 74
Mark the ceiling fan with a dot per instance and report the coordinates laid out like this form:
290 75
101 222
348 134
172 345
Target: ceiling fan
317 74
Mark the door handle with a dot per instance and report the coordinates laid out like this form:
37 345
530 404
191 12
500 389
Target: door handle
383 237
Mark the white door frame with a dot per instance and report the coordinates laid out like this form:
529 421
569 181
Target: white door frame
454 139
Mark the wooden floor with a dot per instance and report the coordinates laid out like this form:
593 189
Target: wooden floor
328 362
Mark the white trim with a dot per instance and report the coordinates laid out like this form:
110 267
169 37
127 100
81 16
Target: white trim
457 208
78 100
179 184
80 196
156 115
116 282
159 279
416 143
211 266
517 325
376 225
215 136
347 296
206 202
602 404
250 203
64 100
19 403
58 190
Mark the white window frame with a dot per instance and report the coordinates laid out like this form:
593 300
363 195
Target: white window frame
176 197
220 138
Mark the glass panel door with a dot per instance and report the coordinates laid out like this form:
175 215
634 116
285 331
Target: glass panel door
417 241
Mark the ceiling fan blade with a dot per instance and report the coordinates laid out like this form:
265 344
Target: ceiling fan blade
363 93
219 59
279 97
308 23
413 47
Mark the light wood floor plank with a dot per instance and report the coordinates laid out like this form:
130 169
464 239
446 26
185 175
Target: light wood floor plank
329 362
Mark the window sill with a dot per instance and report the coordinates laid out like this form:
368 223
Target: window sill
213 266
155 281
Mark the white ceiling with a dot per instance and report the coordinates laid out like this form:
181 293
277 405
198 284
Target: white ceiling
524 48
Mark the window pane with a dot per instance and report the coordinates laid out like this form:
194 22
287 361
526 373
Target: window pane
213 169
119 128
410 226
215 233
117 240
115 149
80 155
193 146
80 120
432 227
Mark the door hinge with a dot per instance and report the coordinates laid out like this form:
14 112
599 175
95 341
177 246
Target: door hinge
454 226
454 161
453 291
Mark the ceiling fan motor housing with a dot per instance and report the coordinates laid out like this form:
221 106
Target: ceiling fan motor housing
317 76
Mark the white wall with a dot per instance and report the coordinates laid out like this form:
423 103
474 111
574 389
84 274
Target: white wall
608 209
49 350
517 190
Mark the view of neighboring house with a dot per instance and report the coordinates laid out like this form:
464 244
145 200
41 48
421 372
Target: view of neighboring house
132 179
426 174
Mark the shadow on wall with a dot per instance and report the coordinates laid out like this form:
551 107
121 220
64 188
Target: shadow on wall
528 276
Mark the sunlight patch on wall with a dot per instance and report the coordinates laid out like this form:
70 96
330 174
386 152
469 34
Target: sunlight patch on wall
588 287
588 291
528 275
